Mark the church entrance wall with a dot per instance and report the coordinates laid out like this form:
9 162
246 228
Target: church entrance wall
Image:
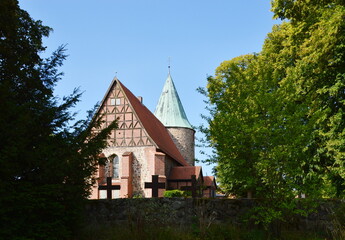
145 162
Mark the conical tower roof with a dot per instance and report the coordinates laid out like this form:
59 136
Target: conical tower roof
169 109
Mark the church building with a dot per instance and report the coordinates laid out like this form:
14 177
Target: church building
148 152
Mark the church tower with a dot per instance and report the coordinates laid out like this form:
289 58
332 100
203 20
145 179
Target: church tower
170 112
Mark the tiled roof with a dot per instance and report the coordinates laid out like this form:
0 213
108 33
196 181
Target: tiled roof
169 109
179 173
154 127
209 181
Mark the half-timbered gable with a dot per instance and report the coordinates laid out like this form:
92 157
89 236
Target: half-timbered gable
142 152
130 132
139 148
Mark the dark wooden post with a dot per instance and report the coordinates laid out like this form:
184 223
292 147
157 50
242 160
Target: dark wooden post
192 188
109 187
155 185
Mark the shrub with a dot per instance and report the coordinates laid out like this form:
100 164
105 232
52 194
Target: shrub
174 193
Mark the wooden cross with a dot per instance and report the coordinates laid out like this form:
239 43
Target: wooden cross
109 187
155 185
192 188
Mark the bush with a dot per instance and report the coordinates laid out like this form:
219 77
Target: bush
175 193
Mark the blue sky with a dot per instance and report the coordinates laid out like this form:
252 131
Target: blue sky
135 39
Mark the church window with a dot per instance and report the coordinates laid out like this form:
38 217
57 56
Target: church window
115 167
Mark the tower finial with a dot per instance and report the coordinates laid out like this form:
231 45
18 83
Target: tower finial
169 65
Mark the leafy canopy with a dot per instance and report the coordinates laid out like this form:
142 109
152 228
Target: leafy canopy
276 118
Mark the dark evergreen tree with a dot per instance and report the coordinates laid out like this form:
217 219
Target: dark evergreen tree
46 164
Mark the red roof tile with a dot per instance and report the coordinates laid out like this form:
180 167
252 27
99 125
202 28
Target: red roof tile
209 181
179 173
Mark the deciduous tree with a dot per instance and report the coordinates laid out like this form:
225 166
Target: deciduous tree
277 118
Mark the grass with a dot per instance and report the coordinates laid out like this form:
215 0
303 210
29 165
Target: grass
215 232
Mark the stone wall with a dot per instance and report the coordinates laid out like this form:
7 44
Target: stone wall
140 167
184 141
185 212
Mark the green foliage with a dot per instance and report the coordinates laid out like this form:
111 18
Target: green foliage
216 232
175 193
276 119
46 163
137 195
204 218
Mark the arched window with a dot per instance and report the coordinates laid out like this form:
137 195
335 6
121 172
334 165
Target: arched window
115 169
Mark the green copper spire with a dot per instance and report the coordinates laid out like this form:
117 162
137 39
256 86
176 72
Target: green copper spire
169 109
